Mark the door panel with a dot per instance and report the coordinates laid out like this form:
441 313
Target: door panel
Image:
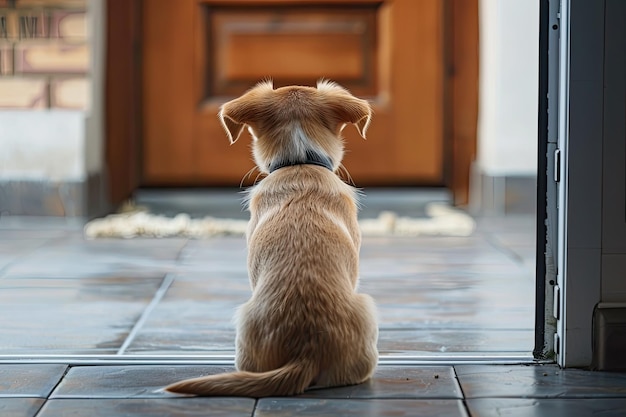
199 54
291 45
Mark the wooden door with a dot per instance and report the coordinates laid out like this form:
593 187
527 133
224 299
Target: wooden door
198 54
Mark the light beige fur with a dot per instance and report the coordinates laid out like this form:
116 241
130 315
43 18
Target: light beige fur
305 325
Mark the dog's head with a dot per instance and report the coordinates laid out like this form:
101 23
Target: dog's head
289 124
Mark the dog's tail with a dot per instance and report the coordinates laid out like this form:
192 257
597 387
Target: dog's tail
290 379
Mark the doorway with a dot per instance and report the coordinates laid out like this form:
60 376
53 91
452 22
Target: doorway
432 278
183 153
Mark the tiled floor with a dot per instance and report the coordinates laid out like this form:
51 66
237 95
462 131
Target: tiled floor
437 296
127 305
464 390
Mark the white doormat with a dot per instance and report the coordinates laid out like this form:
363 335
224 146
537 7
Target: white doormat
442 220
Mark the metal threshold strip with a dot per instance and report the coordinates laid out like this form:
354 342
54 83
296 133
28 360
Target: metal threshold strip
229 360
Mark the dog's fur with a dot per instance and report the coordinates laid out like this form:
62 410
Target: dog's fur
305 325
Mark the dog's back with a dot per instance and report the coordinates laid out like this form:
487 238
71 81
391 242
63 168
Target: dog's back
305 324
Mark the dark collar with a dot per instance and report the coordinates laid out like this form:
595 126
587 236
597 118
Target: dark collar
312 158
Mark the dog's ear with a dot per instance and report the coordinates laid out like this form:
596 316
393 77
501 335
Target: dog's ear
236 114
345 107
232 127
356 111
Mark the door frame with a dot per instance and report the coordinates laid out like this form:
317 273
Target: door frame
582 189
123 107
461 96
576 113
461 91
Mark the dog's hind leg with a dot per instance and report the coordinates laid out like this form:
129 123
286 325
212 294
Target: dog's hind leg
255 352
355 360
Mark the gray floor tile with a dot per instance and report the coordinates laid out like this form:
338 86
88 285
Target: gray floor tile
223 255
436 382
199 339
420 342
429 290
190 340
20 407
553 407
172 407
141 381
36 235
453 304
196 315
29 380
431 382
288 407
71 316
449 314
76 257
13 248
41 223
538 381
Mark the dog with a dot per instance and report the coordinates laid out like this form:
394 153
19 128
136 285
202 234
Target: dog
305 326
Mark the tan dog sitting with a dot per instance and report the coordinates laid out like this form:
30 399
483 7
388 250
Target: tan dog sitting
305 325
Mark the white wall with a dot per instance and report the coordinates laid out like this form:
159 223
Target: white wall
59 145
508 100
42 145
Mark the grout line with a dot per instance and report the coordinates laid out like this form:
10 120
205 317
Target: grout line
254 410
43 404
458 381
47 398
466 407
464 399
67 369
179 256
165 285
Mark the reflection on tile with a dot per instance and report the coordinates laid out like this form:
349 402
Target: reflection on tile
171 407
20 407
420 342
38 236
395 382
126 381
71 316
416 317
552 407
196 315
11 250
538 381
434 294
203 340
287 407
42 224
75 257
28 380
445 284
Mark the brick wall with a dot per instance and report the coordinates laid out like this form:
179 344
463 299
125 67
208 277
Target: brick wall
51 139
44 54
